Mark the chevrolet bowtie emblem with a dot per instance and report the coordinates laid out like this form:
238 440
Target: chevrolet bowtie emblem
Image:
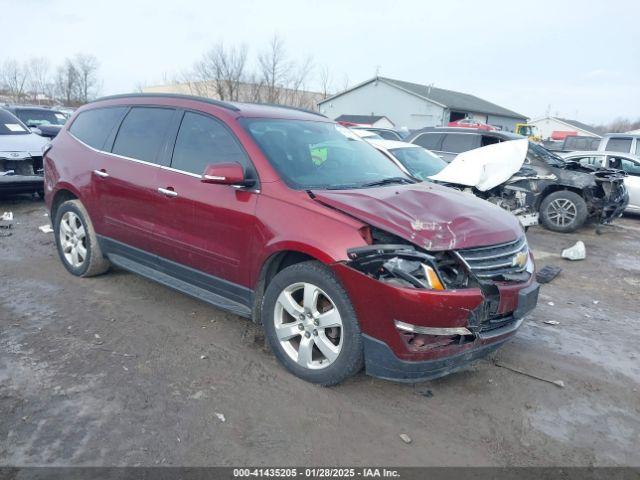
519 260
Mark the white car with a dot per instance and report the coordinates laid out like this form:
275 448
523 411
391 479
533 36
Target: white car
621 161
412 159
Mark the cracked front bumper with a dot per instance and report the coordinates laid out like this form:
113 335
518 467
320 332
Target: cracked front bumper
12 184
379 305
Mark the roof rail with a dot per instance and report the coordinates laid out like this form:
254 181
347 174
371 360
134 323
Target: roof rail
299 109
217 103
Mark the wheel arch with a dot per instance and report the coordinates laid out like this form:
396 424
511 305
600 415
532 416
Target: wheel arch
271 266
62 194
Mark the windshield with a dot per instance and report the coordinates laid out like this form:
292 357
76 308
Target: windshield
36 117
10 125
544 155
321 155
419 162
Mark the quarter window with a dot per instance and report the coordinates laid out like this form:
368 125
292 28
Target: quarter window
142 133
460 142
430 141
619 145
202 141
94 126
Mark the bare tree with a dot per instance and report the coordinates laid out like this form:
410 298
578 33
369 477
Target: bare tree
87 76
325 81
220 71
67 82
39 80
274 69
14 77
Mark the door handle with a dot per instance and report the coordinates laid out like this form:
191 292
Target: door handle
101 173
167 192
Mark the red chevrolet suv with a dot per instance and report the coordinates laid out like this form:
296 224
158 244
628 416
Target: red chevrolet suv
289 219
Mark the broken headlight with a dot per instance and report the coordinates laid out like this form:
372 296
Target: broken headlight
398 264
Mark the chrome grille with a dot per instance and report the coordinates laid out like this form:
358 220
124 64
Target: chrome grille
495 260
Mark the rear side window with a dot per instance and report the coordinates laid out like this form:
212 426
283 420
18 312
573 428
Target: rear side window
388 135
202 141
142 133
460 142
94 126
430 141
619 145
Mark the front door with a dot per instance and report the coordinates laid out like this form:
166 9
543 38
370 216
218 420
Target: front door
206 226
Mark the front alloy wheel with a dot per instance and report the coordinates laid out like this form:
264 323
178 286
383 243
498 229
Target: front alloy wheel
562 212
308 325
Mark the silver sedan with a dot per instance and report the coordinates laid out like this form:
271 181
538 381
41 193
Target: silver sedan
622 161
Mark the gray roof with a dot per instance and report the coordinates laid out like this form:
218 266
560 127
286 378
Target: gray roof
368 119
580 125
447 98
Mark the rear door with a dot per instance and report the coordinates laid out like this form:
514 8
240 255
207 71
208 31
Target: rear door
126 180
206 226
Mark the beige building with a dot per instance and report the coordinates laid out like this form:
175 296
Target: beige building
243 92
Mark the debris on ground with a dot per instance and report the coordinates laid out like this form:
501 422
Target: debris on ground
45 228
551 322
203 357
595 302
426 393
6 222
557 383
577 252
547 273
405 438
551 304
221 417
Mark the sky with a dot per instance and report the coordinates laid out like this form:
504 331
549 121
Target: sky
574 59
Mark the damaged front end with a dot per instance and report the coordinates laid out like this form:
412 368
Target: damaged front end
474 274
606 196
21 172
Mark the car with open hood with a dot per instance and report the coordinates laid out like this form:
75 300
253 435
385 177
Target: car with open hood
20 156
287 218
565 194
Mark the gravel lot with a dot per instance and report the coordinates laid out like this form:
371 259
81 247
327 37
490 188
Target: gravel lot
117 370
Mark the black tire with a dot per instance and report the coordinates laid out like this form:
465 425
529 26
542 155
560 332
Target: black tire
350 360
94 263
575 203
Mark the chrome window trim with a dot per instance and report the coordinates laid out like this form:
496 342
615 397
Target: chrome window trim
144 162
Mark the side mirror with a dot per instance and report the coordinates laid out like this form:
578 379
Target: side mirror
230 173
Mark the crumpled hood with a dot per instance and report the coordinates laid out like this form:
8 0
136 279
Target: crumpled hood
30 143
430 216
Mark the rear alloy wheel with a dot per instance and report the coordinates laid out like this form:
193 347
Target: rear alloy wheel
563 211
76 240
310 324
73 239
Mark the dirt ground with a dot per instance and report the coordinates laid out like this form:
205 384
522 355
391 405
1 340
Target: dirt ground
117 370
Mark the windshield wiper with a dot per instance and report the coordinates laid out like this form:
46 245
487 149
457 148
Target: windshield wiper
387 181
